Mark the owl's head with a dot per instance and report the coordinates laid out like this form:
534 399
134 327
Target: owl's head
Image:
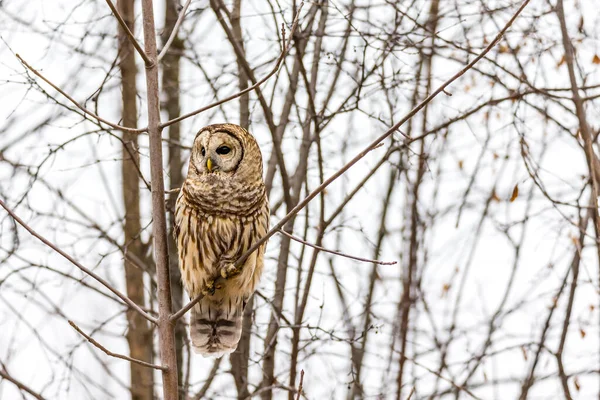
225 151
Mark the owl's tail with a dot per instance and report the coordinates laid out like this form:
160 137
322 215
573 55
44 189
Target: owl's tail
216 324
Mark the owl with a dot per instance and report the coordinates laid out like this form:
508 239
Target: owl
221 211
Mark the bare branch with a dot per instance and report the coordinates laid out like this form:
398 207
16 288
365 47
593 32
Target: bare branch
82 108
110 353
4 374
126 299
123 24
300 385
297 239
174 31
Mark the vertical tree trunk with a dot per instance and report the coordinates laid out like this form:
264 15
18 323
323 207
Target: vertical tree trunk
409 279
166 328
139 333
239 359
170 87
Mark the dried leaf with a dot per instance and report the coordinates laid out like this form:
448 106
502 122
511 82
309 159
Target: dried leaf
515 193
582 332
460 164
576 383
524 351
495 196
575 240
596 59
503 49
445 289
561 62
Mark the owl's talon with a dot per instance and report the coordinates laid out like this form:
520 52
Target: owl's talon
209 288
229 271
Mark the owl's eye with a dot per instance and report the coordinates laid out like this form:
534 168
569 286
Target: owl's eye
223 150
203 151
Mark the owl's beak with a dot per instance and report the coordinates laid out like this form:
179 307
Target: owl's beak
209 165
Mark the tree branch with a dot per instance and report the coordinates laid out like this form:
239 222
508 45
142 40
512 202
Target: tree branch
123 24
297 239
361 155
126 299
174 31
72 100
4 374
110 353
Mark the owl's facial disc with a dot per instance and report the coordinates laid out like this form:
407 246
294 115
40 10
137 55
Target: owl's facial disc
217 153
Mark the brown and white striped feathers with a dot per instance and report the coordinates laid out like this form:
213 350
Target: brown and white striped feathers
221 211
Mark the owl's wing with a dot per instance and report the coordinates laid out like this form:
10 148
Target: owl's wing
195 265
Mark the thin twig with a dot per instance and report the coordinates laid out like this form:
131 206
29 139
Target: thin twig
442 377
123 24
174 31
82 108
78 265
4 374
284 51
314 246
110 353
300 385
211 376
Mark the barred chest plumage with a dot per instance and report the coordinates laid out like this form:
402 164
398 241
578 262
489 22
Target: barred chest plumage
207 242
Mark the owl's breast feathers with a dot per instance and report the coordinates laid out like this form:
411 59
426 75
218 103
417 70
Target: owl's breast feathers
214 229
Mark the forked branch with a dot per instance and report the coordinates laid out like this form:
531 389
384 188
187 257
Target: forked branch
128 32
174 31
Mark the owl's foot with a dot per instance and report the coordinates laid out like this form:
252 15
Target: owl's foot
209 288
229 270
